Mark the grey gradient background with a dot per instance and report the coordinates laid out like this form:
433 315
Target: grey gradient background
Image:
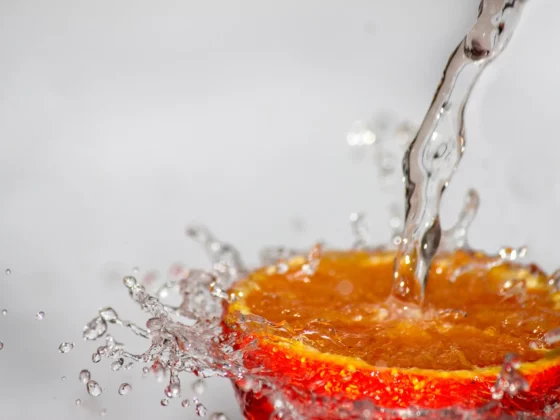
121 121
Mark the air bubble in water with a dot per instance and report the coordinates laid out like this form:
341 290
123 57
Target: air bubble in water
40 315
198 387
78 402
65 347
164 402
124 389
93 388
185 403
95 357
8 271
200 410
84 376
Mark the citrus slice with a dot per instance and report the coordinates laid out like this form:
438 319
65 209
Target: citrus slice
336 332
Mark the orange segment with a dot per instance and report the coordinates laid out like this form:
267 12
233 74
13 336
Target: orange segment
338 331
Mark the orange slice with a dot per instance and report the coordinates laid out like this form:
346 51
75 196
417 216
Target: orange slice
336 332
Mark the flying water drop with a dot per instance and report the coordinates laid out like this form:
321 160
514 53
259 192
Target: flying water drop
95 328
84 376
117 364
200 409
173 390
509 380
40 315
164 402
198 387
124 389
65 347
93 388
218 416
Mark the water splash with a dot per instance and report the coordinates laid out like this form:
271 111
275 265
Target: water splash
509 380
391 140
199 346
435 152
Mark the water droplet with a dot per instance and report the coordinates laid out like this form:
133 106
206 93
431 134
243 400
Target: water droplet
78 402
554 281
8 271
282 267
218 416
63 378
552 337
200 410
1 345
509 380
109 314
173 390
4 312
95 329
512 254
185 403
40 315
65 347
93 388
198 387
103 412
129 281
84 376
164 402
124 389
117 364
135 270
145 370
95 357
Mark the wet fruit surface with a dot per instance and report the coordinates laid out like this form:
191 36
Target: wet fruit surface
336 330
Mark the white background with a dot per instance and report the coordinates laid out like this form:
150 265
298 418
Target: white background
121 121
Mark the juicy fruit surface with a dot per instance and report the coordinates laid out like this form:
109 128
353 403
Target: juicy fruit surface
476 310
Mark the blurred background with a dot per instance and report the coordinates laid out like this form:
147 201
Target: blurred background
122 121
